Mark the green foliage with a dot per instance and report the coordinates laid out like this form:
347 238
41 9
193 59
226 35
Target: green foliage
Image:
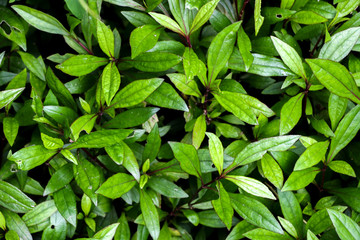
179 119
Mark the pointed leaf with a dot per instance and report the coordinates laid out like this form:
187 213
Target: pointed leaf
14 199
167 22
166 188
342 167
10 128
59 179
290 113
144 38
345 227
105 38
107 233
150 214
257 16
117 185
312 155
110 82
186 87
222 206
203 15
155 61
199 130
337 107
244 45
262 234
300 179
80 65
7 96
65 201
216 151
272 170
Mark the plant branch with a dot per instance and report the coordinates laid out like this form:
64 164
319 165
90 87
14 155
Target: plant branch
95 159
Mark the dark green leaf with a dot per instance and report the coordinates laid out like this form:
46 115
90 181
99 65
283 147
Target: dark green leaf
65 201
14 199
222 206
10 128
155 61
166 188
15 223
263 234
40 213
60 179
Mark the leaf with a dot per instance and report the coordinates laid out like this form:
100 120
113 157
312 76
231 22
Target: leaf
65 201
84 123
251 185
187 156
166 188
351 196
288 227
14 199
117 185
307 17
40 20
244 45
150 214
123 230
59 90
107 233
192 216
222 206
8 96
105 38
59 179
272 170
155 61
130 162
110 82
311 236
345 7
219 51
255 212
209 218
191 67
256 150
35 65
80 65
135 92
15 223
340 45
199 130
257 16
167 22
291 210
300 179
153 144
127 3
289 56
312 155
10 128
237 105
216 152
186 87
342 167
167 97
100 139
290 113
345 227
144 38
345 132
262 234
31 157
239 229
57 228
203 15
336 78
40 213
337 107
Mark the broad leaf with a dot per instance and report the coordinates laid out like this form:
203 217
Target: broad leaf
105 38
300 179
65 201
10 128
110 82
290 113
155 61
107 233
150 214
117 185
187 156
40 213
272 170
167 22
351 196
263 234
80 65
244 45
7 96
199 130
144 38
203 15
59 179
345 227
342 167
337 107
216 151
312 155
15 223
14 199
166 188
222 206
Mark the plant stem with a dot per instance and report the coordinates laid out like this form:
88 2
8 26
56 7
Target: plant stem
95 159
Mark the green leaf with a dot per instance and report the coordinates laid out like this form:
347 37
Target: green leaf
222 206
272 170
291 210
216 152
59 90
35 65
11 235
336 78
65 201
307 17
117 185
127 3
167 22
257 16
105 38
59 179
219 51
251 185
8 96
238 231
14 199
340 45
10 128
311 236
345 7
199 130
255 212
110 82
166 188
187 156
290 56
312 156
256 150
321 126
56 229
155 61
135 92
15 223
153 144
144 38
40 213
80 65
351 196
166 96
84 123
345 227
342 167
192 216
131 118
345 132
50 142
291 113
191 68
123 230
209 218
300 179
40 20
31 157
263 234
237 105
337 107
150 214
130 162
244 45
100 139
203 15
288 227
107 233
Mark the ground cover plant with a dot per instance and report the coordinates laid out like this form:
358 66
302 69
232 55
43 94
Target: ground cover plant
179 119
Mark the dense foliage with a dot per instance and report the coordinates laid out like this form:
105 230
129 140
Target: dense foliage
179 119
